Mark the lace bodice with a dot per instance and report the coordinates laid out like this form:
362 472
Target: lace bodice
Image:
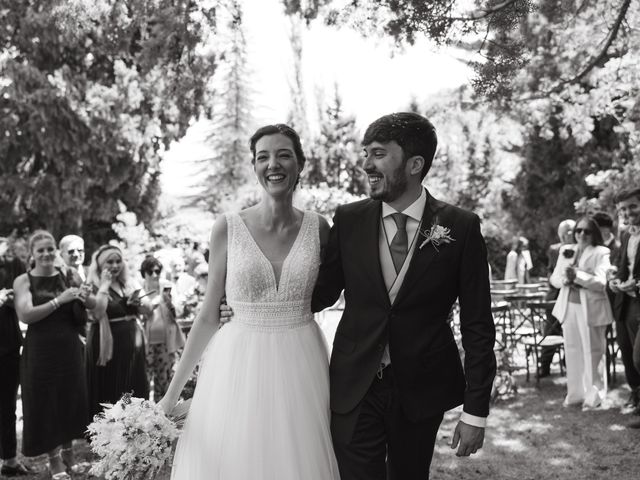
251 288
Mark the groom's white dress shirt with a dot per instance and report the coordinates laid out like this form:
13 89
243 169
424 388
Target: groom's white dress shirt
394 281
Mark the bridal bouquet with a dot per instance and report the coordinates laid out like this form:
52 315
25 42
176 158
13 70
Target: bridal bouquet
132 438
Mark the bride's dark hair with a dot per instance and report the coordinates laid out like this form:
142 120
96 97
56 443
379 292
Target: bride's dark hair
283 129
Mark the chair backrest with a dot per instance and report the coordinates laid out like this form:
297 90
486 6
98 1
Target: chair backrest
498 294
538 314
503 284
501 312
529 287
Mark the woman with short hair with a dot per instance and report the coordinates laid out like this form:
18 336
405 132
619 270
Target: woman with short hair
163 334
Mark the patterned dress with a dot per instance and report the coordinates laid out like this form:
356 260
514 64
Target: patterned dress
260 410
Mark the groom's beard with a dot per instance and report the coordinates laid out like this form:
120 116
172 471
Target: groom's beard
394 186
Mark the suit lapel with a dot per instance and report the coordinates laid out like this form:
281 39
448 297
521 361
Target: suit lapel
422 257
368 234
586 260
636 263
624 259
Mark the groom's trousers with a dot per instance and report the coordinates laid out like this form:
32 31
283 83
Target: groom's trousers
378 442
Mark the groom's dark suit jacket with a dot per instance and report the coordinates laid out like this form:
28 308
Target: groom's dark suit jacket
623 274
424 356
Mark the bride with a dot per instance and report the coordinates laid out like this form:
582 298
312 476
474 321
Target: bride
260 410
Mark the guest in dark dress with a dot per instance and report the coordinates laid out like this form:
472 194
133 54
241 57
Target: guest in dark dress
115 342
54 391
10 341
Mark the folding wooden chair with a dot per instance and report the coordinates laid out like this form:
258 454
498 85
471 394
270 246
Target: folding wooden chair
537 340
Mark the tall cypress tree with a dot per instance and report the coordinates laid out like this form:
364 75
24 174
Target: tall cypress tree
335 153
219 176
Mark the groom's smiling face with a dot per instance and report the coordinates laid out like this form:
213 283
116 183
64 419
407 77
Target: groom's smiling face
385 166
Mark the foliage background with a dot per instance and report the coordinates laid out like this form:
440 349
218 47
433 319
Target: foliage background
92 92
549 128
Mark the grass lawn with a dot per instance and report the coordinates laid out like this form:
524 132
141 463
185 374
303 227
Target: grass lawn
530 437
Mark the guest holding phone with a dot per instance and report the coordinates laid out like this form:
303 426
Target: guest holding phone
115 342
164 336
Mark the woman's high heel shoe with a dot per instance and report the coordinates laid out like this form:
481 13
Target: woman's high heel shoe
60 476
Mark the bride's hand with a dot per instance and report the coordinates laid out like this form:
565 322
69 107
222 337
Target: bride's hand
226 312
167 405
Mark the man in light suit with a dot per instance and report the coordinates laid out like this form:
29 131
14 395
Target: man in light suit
402 259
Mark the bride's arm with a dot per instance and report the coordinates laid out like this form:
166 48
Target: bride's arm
208 319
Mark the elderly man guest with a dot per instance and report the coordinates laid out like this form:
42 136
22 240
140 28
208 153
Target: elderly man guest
72 252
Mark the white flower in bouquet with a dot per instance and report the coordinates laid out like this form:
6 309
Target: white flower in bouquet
132 438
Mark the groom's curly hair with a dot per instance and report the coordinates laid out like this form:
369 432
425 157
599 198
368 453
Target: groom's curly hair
414 133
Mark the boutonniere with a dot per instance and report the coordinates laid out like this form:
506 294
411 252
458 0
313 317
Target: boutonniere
568 253
436 236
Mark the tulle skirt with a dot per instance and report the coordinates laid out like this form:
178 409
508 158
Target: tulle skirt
260 410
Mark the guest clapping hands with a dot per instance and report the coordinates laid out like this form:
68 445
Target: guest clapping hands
54 392
584 310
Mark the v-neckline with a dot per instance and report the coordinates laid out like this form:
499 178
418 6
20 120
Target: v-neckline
285 262
119 294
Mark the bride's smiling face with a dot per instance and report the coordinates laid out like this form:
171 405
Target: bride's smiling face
276 165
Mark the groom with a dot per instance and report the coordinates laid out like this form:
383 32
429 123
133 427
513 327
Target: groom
402 259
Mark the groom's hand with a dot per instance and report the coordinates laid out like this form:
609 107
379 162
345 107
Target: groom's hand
468 439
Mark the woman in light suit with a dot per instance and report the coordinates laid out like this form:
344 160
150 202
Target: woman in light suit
584 311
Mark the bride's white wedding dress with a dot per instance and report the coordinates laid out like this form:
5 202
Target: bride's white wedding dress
260 410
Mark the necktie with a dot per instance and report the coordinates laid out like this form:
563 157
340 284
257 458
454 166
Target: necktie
398 247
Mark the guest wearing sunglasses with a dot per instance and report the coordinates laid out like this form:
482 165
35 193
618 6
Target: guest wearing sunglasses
164 336
584 310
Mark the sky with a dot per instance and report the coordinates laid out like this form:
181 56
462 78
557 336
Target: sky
371 77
